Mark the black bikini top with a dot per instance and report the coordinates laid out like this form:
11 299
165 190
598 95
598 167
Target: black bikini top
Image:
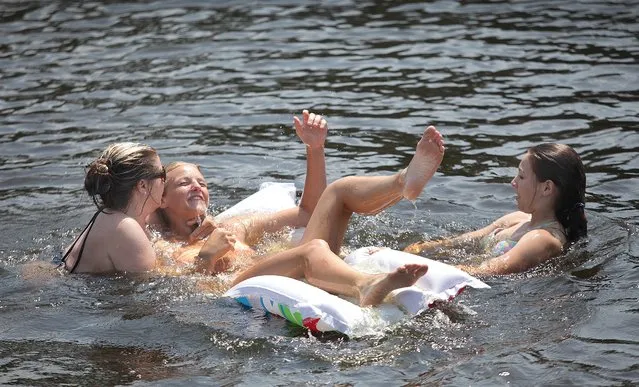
88 226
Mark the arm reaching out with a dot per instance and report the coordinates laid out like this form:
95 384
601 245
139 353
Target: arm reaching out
534 248
464 239
450 243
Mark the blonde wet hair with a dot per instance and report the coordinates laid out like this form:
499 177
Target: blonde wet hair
175 164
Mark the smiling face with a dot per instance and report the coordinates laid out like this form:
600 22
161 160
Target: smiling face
526 185
186 195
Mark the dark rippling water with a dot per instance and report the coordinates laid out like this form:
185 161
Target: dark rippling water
217 82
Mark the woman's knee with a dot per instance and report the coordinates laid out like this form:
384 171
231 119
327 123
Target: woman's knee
315 250
317 247
342 183
316 256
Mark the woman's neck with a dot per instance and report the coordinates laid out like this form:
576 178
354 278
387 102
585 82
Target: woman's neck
138 209
138 214
542 216
181 226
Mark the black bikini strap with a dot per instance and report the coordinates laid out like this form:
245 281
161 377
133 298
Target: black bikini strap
88 226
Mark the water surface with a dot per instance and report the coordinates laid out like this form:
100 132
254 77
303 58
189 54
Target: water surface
217 83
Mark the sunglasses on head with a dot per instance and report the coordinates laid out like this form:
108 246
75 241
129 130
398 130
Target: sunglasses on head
161 174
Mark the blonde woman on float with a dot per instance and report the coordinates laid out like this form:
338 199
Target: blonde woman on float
184 224
316 259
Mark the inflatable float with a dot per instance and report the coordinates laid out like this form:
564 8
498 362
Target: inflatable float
319 311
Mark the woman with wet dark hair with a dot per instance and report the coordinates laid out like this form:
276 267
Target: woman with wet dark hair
550 190
562 165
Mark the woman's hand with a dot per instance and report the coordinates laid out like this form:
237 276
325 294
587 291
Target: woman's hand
204 229
419 247
312 129
213 257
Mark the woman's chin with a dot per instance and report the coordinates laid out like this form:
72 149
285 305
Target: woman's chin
202 209
198 207
192 213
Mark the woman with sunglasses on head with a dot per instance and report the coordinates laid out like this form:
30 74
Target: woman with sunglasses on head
550 190
126 184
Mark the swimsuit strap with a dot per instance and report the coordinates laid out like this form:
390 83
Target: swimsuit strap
88 226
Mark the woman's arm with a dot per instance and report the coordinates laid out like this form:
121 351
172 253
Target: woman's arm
450 243
216 256
534 248
312 129
211 256
467 238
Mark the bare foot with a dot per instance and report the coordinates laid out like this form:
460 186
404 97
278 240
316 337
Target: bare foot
374 292
311 129
428 156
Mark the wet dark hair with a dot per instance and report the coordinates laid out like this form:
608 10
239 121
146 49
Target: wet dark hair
562 165
110 178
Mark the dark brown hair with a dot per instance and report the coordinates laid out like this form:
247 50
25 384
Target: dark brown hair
110 178
562 165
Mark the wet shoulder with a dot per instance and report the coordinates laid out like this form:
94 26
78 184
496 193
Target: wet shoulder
119 223
512 219
90 253
544 243
555 231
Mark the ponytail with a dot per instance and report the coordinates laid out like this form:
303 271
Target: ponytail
574 221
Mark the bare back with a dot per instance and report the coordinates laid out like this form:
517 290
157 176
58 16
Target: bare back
114 243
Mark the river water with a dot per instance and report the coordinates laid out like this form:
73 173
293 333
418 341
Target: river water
217 83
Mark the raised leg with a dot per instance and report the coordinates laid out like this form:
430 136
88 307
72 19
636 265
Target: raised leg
369 195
